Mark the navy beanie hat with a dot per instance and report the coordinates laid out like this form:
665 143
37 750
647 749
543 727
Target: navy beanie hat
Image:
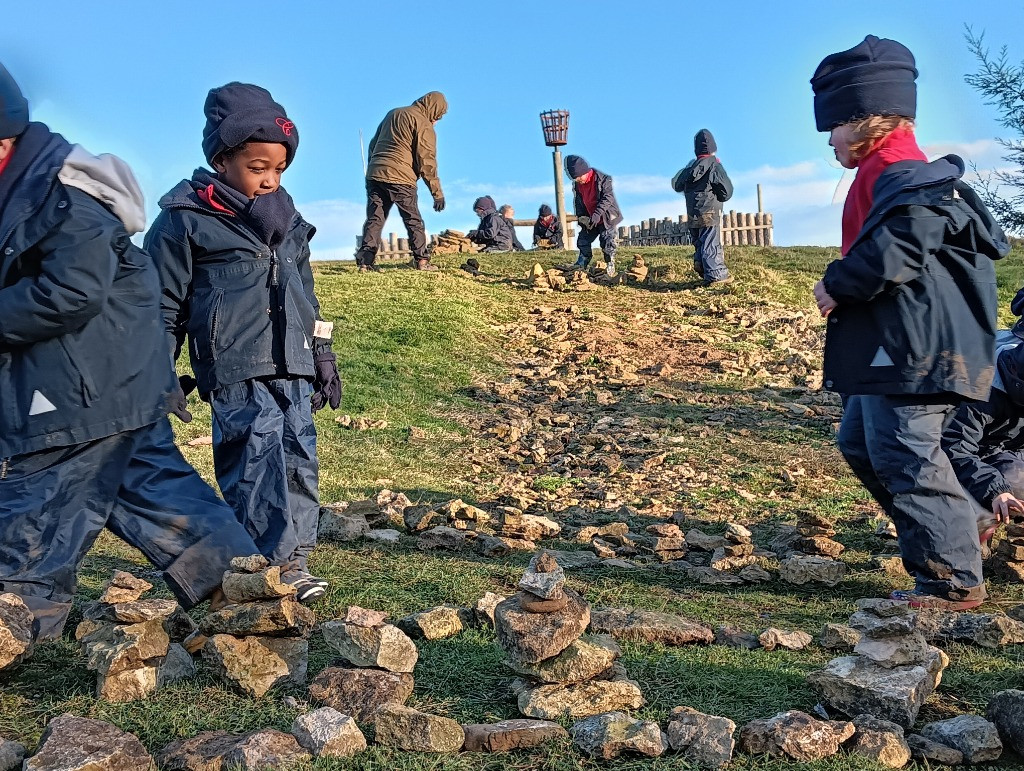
240 112
875 77
484 202
544 210
13 107
704 143
575 166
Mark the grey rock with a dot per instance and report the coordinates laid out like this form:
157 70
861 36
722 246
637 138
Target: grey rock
649 626
385 535
385 646
713 577
259 585
838 637
773 638
257 664
283 617
755 574
737 533
15 630
1006 711
884 607
72 743
880 740
547 583
253 563
484 609
11 755
508 735
360 692
925 749
610 734
124 587
734 637
264 749
972 735
443 538
800 569
435 624
880 628
584 659
113 649
342 525
698 539
989 630
892 652
579 700
130 612
575 559
532 637
203 752
128 684
704 741
410 729
328 733
795 735
176 666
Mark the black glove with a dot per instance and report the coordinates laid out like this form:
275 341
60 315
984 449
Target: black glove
177 401
327 383
439 203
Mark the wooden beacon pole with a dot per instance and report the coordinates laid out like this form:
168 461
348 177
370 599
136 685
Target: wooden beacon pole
556 157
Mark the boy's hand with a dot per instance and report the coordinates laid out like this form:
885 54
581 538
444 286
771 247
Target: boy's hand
1003 504
584 222
177 405
825 302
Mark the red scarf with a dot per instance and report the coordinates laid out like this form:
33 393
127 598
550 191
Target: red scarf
6 160
900 145
588 191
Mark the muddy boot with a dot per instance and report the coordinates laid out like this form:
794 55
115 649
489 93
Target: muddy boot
423 264
610 268
367 266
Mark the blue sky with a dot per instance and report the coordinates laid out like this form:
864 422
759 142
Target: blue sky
639 79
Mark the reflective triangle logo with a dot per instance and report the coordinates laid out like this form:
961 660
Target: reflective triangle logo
40 404
881 359
306 346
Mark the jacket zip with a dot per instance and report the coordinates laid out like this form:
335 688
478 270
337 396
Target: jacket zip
4 464
274 273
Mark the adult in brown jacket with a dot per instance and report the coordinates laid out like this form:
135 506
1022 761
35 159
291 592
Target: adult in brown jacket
403 150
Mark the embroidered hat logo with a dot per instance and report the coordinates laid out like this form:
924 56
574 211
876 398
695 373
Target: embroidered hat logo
286 126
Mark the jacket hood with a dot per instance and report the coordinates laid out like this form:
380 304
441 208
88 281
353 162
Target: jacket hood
704 143
692 171
182 195
486 203
433 104
110 181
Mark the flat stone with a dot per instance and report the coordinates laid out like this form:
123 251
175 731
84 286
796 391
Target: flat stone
892 652
734 637
128 684
385 646
409 729
124 587
444 538
713 577
508 735
342 526
264 749
698 539
1006 711
795 735
259 585
384 535
722 561
177 665
880 740
253 563
435 624
532 637
650 626
819 544
663 530
484 608
989 630
773 638
284 617
704 741
572 560
880 628
364 616
754 574
584 659
590 532
130 612
737 533
800 569
972 735
203 752
543 583
925 749
11 755
327 733
856 685
360 692
608 735
579 700
838 637
884 607
531 603
15 630
72 743
112 649
530 527
257 664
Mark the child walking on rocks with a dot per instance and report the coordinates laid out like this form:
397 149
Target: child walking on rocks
233 257
911 313
597 212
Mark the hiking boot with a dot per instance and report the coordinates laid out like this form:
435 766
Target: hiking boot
718 281
609 269
422 264
580 264
308 588
369 267
920 600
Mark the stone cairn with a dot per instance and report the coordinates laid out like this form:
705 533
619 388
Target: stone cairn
1007 563
808 554
134 645
261 639
453 242
637 270
565 673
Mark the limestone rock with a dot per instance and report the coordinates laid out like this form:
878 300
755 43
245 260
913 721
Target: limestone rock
795 735
72 743
124 587
754 574
11 755
608 735
533 637
284 617
880 628
530 527
253 563
884 607
444 538
734 637
838 637
508 735
579 700
989 630
257 664
800 569
384 535
1006 711
892 652
543 577
434 624
112 649
713 577
410 729
360 692
385 646
698 539
484 608
203 752
773 638
879 740
590 532
364 616
342 525
328 733
737 533
972 735
856 685
819 544
584 659
260 585
649 626
177 665
925 749
15 630
385 508
264 749
128 684
130 612
704 741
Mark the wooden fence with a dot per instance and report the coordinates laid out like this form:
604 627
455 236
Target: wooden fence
738 229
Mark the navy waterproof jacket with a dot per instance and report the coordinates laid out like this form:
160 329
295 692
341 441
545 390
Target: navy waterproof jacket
552 232
706 186
916 292
607 210
248 310
494 233
82 352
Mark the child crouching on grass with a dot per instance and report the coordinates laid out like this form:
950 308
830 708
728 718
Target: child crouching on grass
911 312
233 257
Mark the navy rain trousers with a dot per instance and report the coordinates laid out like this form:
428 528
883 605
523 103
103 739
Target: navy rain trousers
709 257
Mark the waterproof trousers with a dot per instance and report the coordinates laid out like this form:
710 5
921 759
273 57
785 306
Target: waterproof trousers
608 238
380 197
264 453
54 503
893 445
709 256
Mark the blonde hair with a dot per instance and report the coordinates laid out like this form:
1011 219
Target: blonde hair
872 130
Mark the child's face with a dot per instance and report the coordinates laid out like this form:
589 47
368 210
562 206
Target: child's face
479 213
841 139
256 170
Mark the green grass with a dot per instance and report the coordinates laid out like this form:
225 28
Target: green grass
410 346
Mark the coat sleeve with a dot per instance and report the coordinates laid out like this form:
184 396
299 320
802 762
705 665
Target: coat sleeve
677 180
721 185
373 140
962 441
168 245
424 157
75 277
491 229
893 254
538 232
605 203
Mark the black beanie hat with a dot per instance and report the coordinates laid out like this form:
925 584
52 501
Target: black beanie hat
13 107
875 77
239 113
704 143
544 210
576 166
